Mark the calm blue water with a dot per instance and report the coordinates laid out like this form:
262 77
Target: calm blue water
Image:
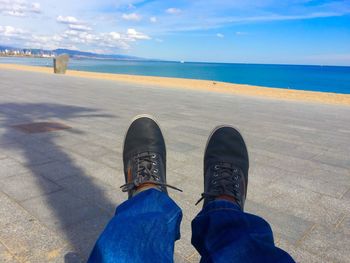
317 78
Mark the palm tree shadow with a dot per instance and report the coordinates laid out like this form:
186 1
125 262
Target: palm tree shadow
77 203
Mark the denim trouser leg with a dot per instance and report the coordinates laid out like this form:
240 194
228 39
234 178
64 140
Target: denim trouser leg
144 229
221 232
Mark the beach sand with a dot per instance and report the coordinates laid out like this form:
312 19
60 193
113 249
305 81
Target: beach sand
202 85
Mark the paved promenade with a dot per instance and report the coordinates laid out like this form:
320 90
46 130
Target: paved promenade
58 189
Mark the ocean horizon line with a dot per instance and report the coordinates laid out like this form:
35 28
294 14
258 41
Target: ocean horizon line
184 61
325 78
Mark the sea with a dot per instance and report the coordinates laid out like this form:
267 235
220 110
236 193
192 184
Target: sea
300 77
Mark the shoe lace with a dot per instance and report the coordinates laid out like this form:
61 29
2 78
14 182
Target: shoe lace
225 181
147 172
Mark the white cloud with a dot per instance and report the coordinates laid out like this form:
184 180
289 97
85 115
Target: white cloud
68 20
10 31
73 23
159 40
36 8
12 35
19 8
131 17
79 27
115 35
108 41
111 41
220 35
153 19
133 34
173 11
71 33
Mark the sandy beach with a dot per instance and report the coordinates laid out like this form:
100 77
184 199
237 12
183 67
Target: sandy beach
202 85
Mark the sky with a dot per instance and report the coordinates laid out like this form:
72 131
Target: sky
233 31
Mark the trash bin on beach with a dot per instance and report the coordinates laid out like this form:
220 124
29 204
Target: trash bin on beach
60 64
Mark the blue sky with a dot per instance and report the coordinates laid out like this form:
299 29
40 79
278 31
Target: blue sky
250 31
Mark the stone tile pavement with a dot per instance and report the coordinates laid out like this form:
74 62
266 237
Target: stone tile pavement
59 189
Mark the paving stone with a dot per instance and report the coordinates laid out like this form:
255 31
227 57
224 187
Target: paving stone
69 140
12 212
61 209
264 174
277 146
346 195
260 192
37 144
299 172
10 167
6 142
324 181
290 227
341 205
192 130
60 154
183 246
327 243
6 256
46 247
94 191
84 234
112 159
89 167
26 186
305 151
56 170
194 258
88 150
321 178
28 156
299 201
299 254
343 226
334 159
181 147
3 155
178 258
25 237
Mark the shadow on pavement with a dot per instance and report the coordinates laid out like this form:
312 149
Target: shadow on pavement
76 207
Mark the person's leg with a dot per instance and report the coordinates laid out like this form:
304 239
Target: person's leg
222 231
143 229
146 226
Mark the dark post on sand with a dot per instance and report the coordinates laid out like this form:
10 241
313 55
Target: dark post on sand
60 64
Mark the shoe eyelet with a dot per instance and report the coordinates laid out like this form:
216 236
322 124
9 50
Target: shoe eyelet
154 163
237 185
235 170
156 171
216 174
154 156
213 182
216 167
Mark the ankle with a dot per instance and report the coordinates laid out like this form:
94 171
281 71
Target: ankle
226 198
144 187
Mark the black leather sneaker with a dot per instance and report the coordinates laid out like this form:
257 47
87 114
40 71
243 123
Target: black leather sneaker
226 166
144 156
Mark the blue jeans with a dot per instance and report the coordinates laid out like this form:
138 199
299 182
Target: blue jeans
145 228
